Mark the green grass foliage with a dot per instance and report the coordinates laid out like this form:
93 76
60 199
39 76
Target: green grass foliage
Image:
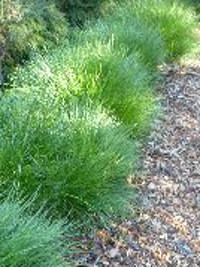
76 156
28 240
174 20
127 33
72 122
120 82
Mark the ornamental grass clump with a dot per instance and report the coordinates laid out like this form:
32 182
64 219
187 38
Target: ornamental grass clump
77 156
174 20
160 29
28 240
119 82
129 33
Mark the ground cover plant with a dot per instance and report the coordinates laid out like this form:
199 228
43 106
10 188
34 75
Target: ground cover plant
28 240
195 4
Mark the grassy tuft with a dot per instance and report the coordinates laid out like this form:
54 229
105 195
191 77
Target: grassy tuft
76 156
128 33
120 82
173 19
28 240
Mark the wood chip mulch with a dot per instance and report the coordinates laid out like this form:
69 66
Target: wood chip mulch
167 232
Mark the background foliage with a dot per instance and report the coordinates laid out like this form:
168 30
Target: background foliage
78 11
27 26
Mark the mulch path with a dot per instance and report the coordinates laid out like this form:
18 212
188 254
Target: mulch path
167 232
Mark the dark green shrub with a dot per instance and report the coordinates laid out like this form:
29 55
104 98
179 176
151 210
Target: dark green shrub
28 240
27 26
78 11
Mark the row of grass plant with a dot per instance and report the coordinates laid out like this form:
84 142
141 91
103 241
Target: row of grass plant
72 123
51 137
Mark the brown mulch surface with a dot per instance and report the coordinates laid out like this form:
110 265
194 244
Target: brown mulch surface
167 232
